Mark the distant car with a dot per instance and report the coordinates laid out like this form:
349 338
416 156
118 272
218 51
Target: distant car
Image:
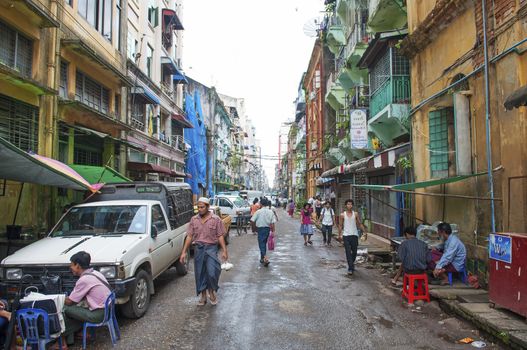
251 195
232 205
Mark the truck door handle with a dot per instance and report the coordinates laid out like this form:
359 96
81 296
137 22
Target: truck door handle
170 239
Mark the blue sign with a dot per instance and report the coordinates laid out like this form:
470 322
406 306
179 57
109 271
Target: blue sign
500 248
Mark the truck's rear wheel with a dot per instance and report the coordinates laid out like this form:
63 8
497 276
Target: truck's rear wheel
140 298
182 269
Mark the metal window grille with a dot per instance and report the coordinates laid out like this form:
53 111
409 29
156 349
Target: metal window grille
19 123
16 50
63 84
438 134
91 93
380 72
400 64
86 157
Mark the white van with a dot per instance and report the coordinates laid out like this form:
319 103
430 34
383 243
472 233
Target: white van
251 195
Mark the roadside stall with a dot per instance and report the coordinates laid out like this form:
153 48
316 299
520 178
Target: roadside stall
24 167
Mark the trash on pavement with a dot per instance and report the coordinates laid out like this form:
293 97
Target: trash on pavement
362 251
479 344
465 340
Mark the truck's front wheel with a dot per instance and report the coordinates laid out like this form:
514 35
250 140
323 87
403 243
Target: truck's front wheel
140 298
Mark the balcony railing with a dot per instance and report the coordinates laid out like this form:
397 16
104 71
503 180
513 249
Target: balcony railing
137 123
394 90
358 35
165 87
178 142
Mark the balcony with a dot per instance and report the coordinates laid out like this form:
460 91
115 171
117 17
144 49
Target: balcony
335 36
387 15
395 90
349 75
335 95
389 109
178 142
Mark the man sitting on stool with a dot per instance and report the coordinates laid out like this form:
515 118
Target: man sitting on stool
91 287
453 257
413 254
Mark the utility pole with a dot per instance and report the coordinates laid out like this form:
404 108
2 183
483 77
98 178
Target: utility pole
487 119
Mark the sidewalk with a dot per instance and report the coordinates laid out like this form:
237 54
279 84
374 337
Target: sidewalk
473 305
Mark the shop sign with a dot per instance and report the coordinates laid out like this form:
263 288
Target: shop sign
359 129
500 248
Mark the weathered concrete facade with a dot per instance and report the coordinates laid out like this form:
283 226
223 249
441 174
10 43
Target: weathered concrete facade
451 50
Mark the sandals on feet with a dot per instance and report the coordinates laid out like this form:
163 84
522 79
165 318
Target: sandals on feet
202 302
213 301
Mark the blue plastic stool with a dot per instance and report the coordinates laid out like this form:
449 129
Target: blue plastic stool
28 322
109 321
463 273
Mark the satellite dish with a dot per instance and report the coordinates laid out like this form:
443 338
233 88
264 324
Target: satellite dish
312 26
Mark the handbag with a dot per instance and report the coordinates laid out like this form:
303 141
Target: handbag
270 241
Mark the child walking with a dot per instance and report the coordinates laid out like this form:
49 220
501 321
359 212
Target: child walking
306 227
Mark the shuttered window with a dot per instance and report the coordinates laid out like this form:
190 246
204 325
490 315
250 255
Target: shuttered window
19 123
91 93
63 84
438 147
16 50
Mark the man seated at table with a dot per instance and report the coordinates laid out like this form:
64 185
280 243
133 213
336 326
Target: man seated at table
5 316
413 254
452 259
91 287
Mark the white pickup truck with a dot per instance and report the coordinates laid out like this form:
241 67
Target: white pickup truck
132 231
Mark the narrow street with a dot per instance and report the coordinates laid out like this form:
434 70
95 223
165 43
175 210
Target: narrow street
303 300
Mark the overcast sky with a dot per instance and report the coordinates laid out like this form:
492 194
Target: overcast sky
251 49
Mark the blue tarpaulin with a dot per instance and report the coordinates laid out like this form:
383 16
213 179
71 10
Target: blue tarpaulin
196 162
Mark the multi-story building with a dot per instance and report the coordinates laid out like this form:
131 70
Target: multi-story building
155 101
28 71
315 116
95 85
451 132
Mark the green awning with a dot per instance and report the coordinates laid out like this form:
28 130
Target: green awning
415 185
99 174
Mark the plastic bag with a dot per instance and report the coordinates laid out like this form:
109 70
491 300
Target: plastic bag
270 241
226 266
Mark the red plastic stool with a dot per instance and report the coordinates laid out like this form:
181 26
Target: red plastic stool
409 290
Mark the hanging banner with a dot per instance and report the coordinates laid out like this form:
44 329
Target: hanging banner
358 129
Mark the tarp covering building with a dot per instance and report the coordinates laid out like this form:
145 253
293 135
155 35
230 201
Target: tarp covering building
196 162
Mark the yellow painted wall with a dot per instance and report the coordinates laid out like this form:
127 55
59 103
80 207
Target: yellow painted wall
508 131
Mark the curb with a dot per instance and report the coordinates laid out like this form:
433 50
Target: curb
514 336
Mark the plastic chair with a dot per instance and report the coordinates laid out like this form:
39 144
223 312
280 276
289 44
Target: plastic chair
28 325
463 274
409 290
109 321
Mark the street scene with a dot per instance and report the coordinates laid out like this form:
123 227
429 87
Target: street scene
288 174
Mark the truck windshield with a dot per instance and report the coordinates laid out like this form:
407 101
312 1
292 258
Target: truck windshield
115 219
240 203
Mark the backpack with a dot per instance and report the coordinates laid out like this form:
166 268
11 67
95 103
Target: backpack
324 212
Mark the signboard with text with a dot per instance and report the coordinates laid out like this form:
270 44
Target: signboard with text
500 248
358 129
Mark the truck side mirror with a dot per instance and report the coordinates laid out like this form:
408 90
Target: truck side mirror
153 231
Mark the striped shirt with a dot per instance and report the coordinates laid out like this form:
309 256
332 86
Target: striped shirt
413 254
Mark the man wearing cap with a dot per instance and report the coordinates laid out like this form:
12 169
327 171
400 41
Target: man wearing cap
206 230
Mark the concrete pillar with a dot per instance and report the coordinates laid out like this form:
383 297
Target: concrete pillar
462 131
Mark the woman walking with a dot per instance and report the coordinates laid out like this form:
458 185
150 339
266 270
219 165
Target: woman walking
291 208
306 227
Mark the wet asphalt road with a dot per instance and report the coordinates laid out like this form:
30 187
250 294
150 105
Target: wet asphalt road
303 300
